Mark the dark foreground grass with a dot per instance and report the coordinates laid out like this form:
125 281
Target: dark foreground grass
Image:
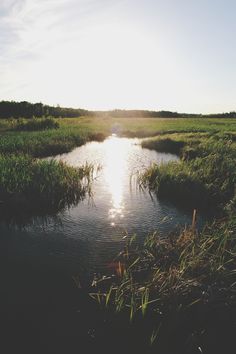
177 289
29 185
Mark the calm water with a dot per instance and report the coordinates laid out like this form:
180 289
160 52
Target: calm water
41 308
85 238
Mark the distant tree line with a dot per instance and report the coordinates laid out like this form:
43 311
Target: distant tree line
119 113
12 109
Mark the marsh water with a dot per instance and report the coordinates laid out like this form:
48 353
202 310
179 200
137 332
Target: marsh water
41 258
86 237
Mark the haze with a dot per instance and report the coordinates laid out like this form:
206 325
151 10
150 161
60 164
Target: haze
131 54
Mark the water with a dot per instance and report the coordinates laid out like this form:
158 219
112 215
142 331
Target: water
39 300
85 238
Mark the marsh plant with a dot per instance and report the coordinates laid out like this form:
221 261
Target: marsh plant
35 124
27 183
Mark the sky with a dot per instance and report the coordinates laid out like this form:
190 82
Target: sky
177 55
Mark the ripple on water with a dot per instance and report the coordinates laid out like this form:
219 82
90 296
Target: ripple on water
88 235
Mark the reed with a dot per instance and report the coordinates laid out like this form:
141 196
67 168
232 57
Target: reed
29 184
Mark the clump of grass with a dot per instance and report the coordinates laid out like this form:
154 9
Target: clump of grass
182 286
35 124
185 277
28 184
204 180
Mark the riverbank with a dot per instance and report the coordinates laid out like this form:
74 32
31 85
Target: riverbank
205 177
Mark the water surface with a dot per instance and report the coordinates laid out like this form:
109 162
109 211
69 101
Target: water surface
85 238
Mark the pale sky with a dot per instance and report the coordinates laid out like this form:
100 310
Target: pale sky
177 55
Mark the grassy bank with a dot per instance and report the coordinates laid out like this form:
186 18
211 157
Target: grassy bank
45 143
203 179
29 185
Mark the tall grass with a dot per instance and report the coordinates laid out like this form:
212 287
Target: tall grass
204 178
45 143
177 287
35 124
183 268
28 184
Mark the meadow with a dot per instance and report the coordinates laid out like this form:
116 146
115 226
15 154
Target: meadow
74 132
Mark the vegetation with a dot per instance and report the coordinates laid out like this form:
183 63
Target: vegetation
204 178
36 124
183 286
31 185
176 285
75 132
12 109
46 143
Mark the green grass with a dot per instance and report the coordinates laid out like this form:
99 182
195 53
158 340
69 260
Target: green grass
183 268
45 143
35 124
185 277
179 287
203 179
73 132
28 185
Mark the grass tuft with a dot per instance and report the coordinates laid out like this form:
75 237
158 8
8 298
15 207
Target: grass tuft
29 184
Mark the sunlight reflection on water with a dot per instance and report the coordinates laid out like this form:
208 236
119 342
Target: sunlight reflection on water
115 167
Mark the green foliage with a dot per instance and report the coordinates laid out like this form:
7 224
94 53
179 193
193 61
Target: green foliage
45 143
205 177
185 268
35 124
12 109
26 183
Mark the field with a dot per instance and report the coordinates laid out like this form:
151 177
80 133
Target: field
76 131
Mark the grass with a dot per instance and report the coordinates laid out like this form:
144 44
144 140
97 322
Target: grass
183 286
203 179
45 143
177 287
74 132
35 124
30 185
